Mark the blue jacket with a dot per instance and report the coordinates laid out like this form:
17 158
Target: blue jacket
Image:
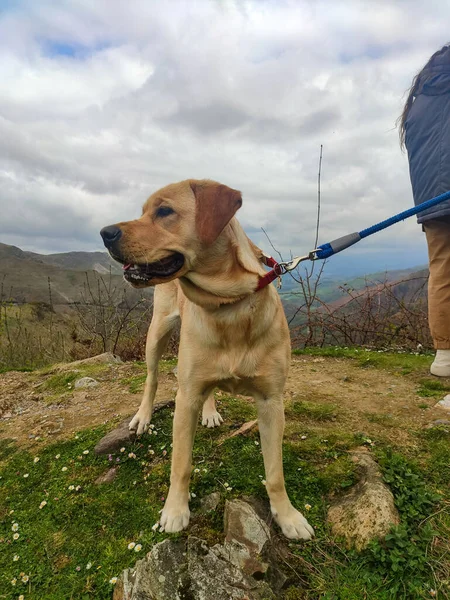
427 137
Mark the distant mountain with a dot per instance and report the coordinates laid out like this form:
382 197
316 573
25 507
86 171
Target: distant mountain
79 261
24 276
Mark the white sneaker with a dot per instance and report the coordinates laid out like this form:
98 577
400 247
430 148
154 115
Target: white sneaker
441 364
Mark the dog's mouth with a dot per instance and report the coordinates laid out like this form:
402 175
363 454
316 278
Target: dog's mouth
143 273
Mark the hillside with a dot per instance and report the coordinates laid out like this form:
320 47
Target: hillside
24 276
79 261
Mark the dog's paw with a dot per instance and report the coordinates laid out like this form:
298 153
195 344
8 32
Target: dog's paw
174 519
211 418
294 525
140 422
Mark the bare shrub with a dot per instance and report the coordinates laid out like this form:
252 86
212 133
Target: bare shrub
112 317
381 315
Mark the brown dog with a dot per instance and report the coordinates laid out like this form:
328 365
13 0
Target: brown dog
206 270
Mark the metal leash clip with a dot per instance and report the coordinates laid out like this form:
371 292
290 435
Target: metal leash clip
290 265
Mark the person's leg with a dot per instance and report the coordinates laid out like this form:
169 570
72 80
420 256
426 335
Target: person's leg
438 238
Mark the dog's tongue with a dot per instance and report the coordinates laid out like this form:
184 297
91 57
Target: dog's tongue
126 267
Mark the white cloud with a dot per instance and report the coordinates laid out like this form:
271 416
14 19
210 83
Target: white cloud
103 102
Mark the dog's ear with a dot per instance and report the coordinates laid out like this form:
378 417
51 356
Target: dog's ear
216 204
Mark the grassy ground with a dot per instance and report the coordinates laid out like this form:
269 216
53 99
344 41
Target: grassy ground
74 535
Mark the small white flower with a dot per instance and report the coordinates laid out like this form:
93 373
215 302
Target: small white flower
137 547
264 482
229 489
71 487
256 443
88 566
16 536
77 437
113 580
131 455
196 470
78 488
21 597
11 512
308 507
36 459
151 452
122 449
226 484
155 526
152 426
85 451
13 581
15 527
25 579
16 557
193 495
42 504
205 470
26 475
57 456
303 437
64 469
131 545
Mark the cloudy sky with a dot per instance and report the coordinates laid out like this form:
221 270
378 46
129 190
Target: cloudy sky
102 102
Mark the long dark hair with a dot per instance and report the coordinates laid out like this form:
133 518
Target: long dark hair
411 93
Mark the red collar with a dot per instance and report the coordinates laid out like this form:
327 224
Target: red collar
277 271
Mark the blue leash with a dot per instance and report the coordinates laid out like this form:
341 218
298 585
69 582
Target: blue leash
339 244
327 250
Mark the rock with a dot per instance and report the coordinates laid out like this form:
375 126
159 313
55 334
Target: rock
107 358
244 526
122 434
177 570
85 382
209 502
213 576
246 535
438 423
107 477
124 587
367 511
445 403
115 439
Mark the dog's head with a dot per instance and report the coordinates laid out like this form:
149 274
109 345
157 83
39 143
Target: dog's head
178 222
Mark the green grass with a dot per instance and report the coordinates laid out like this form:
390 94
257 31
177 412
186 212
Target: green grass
136 382
311 410
94 525
404 362
432 388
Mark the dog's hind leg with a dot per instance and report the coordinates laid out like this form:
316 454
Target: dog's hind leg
165 318
210 416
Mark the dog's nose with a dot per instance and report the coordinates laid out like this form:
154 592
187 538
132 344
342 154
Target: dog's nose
111 234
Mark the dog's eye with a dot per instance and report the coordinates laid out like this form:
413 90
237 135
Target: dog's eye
164 211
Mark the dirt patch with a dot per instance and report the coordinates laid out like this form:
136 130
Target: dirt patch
378 403
31 414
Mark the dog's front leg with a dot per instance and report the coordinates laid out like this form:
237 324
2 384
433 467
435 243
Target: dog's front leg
158 337
175 514
271 427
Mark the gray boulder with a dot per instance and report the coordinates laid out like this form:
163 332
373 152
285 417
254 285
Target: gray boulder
239 569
